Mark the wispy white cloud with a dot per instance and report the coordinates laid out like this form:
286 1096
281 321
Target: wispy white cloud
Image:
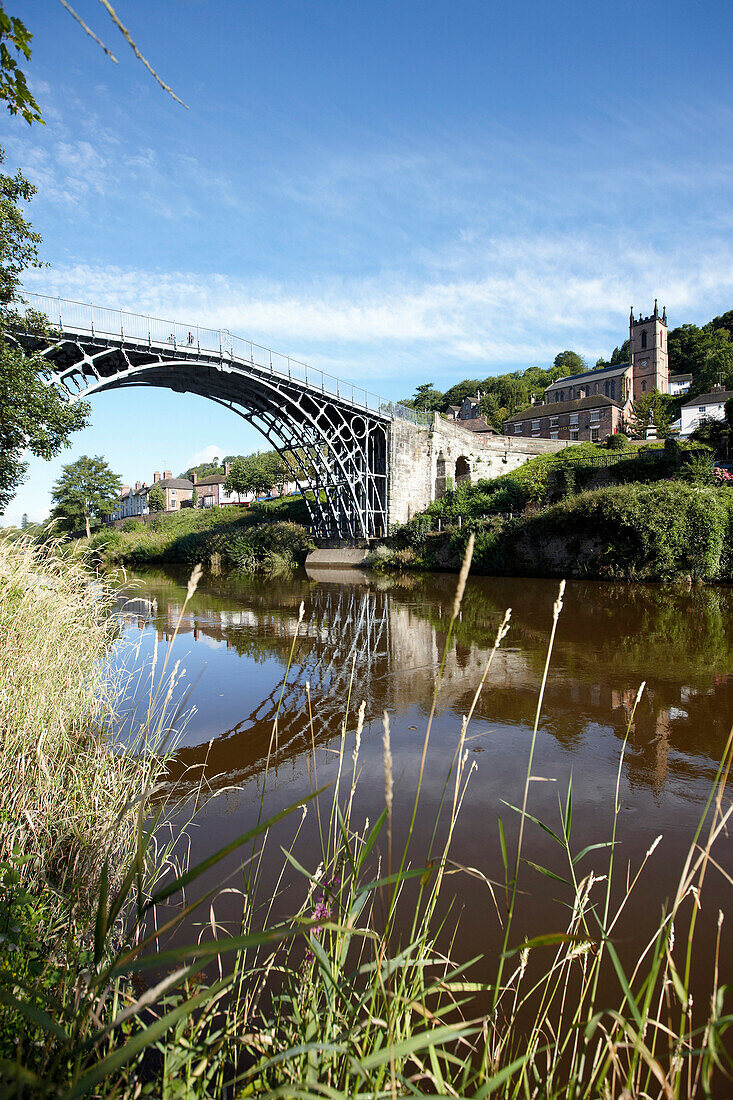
208 454
485 303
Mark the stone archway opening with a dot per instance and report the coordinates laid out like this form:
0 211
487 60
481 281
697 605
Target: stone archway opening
463 471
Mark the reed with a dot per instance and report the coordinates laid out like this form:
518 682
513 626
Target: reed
357 992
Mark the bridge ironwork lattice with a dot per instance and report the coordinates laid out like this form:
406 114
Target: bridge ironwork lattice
332 435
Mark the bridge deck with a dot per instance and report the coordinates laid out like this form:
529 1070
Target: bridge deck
195 342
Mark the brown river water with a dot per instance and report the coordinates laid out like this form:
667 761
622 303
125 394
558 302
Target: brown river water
385 638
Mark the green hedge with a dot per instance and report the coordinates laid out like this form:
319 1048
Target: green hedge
661 531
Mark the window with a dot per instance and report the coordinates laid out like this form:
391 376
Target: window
535 425
573 419
517 428
594 433
595 414
606 386
643 339
573 433
643 387
701 408
554 435
553 421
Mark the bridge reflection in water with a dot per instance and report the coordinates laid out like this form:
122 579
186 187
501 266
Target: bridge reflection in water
383 642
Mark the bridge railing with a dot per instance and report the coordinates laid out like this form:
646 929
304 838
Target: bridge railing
189 341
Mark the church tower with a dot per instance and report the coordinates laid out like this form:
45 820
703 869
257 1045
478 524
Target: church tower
648 353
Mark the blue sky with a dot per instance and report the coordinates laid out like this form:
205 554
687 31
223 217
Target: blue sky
397 191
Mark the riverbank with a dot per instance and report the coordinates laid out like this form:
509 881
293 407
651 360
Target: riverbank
69 799
269 537
655 515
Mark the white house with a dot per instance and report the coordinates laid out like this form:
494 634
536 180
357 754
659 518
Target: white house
679 383
707 406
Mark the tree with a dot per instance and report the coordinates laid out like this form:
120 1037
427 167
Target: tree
456 394
156 499
237 480
274 471
661 405
255 474
260 472
569 362
427 397
13 86
621 355
194 497
35 417
706 353
25 522
86 490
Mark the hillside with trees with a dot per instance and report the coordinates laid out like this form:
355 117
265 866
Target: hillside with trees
705 352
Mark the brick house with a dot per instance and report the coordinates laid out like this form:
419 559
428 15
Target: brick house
176 489
586 418
211 491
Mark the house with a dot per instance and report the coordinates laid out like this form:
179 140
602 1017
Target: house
213 494
596 403
477 424
679 383
132 502
176 489
707 406
584 418
467 410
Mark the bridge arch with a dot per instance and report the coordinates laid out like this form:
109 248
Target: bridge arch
333 437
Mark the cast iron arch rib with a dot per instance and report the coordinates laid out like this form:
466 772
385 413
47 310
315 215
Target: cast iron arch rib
334 438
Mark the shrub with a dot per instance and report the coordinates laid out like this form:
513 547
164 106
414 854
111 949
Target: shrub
131 525
697 468
108 537
618 442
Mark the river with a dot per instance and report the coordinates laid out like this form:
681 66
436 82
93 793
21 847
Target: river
381 640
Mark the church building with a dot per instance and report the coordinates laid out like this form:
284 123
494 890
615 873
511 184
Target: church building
597 403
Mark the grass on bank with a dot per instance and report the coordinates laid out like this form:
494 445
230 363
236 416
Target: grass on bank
356 994
656 515
268 537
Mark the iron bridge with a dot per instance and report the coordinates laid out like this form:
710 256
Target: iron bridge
333 436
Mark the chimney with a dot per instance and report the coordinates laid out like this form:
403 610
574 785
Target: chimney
193 477
138 486
227 468
168 475
156 476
